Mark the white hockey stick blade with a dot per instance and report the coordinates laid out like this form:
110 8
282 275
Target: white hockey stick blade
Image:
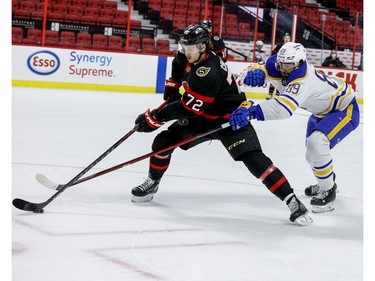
43 180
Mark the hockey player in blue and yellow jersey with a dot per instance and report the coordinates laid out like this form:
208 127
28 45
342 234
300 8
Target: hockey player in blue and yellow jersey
211 95
330 99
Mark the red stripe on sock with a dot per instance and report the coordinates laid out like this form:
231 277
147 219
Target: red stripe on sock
159 168
277 184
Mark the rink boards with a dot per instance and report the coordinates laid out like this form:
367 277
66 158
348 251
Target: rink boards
108 71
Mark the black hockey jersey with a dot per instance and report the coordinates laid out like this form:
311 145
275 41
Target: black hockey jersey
211 92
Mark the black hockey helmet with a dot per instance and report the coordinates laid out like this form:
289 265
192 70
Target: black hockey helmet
207 23
195 34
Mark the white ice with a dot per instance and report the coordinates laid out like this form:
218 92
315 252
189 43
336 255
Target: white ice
210 220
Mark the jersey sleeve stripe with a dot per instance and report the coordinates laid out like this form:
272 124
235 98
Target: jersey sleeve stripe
288 102
284 106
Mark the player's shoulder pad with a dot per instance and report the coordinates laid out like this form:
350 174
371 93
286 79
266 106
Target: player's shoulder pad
271 67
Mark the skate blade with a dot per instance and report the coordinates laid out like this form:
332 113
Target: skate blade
303 220
321 209
147 198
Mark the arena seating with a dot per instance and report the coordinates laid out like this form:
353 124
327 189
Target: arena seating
172 16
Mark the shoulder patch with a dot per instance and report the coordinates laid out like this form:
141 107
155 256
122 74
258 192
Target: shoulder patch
216 38
203 71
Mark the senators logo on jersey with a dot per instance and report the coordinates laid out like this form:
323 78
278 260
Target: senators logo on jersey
203 71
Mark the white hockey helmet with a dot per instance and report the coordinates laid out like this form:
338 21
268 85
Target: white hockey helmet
259 43
291 53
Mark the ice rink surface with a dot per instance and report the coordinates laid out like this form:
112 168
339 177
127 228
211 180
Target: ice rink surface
210 221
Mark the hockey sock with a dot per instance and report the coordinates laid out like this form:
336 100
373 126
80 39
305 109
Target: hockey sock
158 165
262 168
276 182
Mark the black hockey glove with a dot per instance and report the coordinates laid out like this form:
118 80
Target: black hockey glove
171 90
148 121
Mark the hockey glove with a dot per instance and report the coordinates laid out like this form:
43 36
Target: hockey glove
244 113
148 121
171 90
239 118
255 77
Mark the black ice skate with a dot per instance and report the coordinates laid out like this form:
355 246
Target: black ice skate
324 200
146 191
313 190
299 213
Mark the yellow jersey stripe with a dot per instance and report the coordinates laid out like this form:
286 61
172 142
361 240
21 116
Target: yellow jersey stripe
329 107
288 103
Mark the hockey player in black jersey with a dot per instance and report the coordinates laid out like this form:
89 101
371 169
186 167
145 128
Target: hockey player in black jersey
173 84
211 94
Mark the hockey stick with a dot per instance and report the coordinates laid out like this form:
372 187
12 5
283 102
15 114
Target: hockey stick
38 207
23 205
50 184
44 180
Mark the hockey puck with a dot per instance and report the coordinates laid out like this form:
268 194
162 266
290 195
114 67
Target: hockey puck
39 211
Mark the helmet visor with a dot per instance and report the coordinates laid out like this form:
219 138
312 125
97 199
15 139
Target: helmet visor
190 48
285 66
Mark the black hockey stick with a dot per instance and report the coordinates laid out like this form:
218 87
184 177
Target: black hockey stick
48 183
38 207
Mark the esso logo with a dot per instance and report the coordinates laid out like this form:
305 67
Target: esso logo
43 62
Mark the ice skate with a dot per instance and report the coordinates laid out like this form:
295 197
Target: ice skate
312 190
299 214
324 200
146 191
